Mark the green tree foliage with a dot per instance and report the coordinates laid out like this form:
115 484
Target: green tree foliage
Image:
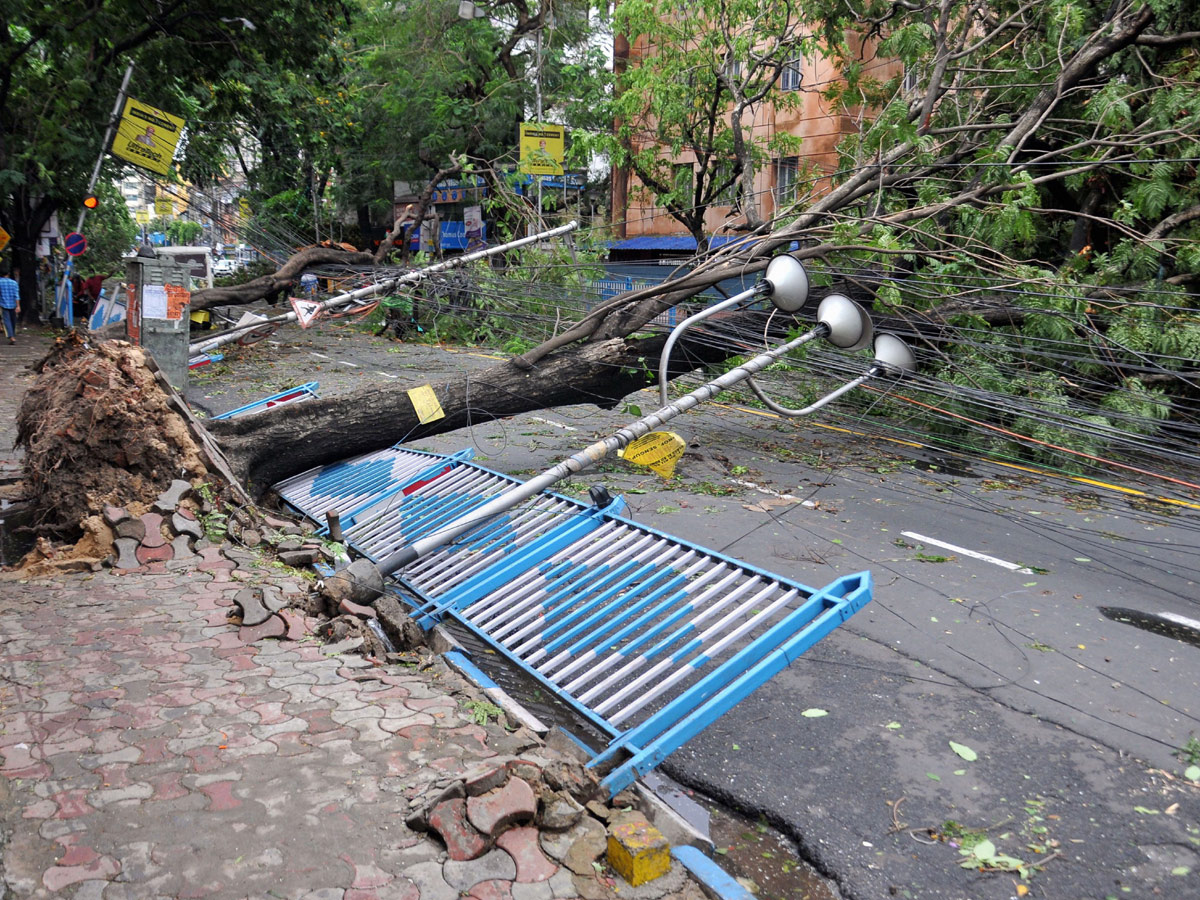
683 106
111 233
428 86
1030 170
181 232
61 66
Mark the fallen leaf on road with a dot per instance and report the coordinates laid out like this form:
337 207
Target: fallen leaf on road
964 751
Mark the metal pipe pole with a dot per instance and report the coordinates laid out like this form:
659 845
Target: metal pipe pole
664 360
238 331
112 124
591 455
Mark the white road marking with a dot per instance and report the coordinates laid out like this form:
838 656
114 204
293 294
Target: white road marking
387 375
965 552
765 490
321 355
1180 620
350 364
552 422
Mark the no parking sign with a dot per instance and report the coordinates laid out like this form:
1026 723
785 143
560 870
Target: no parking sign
75 244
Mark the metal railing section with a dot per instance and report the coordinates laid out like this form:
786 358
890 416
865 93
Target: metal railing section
298 394
348 486
646 636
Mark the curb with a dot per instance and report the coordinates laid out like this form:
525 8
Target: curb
715 881
686 840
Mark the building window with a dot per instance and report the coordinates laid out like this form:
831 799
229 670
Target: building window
728 195
792 75
786 175
911 83
733 68
683 183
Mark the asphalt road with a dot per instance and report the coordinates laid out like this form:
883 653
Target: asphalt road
986 630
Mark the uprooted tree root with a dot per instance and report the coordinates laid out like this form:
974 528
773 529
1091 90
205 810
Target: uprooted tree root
98 429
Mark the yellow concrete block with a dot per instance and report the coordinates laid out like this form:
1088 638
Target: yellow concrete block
638 852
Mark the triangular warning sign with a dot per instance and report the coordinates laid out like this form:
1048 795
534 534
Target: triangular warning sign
307 311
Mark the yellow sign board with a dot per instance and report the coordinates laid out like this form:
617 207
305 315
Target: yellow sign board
142 216
425 402
147 136
164 208
244 207
542 147
657 451
5 237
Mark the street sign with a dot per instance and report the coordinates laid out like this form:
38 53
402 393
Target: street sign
75 244
5 237
147 136
541 148
306 310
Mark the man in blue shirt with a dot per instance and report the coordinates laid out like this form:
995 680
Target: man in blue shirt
10 305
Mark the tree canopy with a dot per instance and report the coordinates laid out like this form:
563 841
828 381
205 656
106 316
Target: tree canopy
1021 197
683 106
61 66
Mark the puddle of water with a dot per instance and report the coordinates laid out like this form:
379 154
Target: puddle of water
1152 623
753 851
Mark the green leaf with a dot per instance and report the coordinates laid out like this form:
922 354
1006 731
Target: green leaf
814 713
964 751
1180 870
960 771
1192 773
933 777
1145 811
892 725
984 851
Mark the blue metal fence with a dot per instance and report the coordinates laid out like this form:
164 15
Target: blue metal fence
298 394
648 637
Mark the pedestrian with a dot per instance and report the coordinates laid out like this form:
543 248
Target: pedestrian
10 303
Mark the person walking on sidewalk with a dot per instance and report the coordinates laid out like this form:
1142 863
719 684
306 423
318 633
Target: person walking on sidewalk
10 305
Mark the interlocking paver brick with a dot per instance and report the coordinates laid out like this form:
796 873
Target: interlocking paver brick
465 874
522 845
494 811
463 841
152 754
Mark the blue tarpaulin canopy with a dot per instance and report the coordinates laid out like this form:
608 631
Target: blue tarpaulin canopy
682 242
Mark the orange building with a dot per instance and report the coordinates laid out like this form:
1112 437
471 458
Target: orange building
780 181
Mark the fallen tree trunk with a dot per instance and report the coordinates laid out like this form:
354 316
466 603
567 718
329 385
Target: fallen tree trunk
266 448
270 286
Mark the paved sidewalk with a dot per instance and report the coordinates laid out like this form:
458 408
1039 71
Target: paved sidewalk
148 751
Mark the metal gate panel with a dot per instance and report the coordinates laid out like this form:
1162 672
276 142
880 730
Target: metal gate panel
646 636
349 485
298 394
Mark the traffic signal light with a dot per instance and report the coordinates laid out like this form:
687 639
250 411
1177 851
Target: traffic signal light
91 201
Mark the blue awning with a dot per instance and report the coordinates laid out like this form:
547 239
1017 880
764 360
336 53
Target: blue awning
684 242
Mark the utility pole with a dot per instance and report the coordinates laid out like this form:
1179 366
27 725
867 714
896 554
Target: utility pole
316 205
108 134
537 85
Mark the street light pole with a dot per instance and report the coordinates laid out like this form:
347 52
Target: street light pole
112 124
